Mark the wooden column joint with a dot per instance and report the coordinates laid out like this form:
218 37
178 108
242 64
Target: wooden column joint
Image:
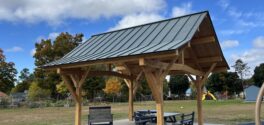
76 77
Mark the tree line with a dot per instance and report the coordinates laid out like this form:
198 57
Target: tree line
46 83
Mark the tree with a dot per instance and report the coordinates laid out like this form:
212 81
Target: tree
216 83
222 82
35 93
93 86
112 86
258 76
241 68
47 51
7 74
61 88
179 84
25 79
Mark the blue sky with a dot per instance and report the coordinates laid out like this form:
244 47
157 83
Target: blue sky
238 24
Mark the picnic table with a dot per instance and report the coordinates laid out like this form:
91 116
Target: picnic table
168 116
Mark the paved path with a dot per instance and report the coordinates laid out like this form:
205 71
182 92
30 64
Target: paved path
126 122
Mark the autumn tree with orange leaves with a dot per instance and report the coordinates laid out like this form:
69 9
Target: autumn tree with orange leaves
112 86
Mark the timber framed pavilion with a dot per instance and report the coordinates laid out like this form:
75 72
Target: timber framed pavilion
183 45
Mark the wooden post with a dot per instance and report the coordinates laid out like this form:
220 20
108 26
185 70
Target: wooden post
199 100
130 100
78 107
156 87
199 84
77 79
258 105
129 84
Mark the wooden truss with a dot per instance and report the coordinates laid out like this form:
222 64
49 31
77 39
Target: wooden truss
154 70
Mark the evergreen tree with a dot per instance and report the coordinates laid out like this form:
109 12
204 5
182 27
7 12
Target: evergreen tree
179 84
258 76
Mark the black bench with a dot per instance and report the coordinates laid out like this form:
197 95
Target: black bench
142 118
100 115
187 119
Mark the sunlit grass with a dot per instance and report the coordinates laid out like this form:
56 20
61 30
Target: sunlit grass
227 112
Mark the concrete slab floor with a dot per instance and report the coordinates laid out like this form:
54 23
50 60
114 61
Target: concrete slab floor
126 122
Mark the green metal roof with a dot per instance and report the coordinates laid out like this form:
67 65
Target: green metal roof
158 36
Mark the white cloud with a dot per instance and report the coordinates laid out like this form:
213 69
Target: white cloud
259 42
234 31
15 49
249 19
32 52
253 56
184 9
51 36
146 17
224 4
229 44
55 11
136 19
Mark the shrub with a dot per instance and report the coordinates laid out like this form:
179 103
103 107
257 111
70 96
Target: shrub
35 93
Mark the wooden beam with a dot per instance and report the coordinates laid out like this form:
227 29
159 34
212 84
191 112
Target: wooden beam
83 77
142 62
205 76
75 82
165 54
187 69
172 66
210 59
139 75
203 40
136 84
69 86
120 68
127 82
109 73
220 69
182 57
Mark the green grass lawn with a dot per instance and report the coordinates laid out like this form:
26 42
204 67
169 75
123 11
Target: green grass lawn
227 112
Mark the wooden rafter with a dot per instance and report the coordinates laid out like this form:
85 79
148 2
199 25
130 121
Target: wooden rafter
203 40
196 61
210 59
171 66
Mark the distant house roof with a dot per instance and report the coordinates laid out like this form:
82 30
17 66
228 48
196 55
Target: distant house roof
161 36
3 94
18 95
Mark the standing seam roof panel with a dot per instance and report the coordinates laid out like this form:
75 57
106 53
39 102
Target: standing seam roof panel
88 48
164 33
103 46
188 27
148 38
75 50
116 42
